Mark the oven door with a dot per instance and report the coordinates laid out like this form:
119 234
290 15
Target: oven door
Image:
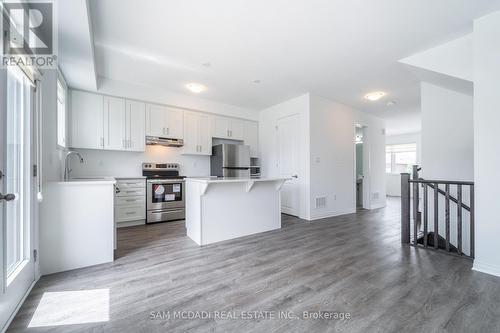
165 194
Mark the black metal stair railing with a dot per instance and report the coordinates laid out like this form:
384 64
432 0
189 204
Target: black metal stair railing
420 235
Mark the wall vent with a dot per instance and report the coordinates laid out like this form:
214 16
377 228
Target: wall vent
375 195
320 202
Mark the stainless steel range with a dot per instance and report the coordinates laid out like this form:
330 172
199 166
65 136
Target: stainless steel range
164 192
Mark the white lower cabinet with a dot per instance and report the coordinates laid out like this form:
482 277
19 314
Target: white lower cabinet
197 134
130 202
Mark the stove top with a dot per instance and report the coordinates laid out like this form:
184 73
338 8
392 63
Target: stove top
161 170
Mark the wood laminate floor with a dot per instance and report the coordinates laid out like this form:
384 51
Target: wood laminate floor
352 265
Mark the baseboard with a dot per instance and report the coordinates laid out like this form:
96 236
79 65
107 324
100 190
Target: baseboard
377 205
16 310
324 215
486 268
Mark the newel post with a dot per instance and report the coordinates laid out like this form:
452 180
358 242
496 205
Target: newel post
405 208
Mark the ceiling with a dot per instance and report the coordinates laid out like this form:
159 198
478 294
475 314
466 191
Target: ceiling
334 48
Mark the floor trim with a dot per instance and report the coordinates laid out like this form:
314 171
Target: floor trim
486 268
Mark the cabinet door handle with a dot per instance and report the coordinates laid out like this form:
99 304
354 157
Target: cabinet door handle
163 130
168 130
102 142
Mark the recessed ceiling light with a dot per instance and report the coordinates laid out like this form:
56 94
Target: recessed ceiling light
256 81
196 87
375 96
206 64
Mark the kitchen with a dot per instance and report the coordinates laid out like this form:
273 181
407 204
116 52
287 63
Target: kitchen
156 157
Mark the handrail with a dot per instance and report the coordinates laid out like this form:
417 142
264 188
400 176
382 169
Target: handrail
444 182
455 200
434 238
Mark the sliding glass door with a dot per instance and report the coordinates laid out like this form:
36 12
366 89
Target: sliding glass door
16 188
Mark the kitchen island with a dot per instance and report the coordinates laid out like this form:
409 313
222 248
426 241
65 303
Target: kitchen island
219 209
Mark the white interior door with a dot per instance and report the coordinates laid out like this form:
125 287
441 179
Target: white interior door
288 163
16 214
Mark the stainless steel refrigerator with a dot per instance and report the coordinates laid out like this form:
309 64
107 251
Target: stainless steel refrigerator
229 160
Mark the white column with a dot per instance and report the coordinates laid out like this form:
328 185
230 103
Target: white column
487 142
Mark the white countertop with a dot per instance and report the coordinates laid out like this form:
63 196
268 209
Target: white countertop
89 181
211 180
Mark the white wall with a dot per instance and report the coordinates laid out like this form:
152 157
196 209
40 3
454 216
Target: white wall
486 142
393 181
454 58
447 134
332 161
269 144
447 149
327 153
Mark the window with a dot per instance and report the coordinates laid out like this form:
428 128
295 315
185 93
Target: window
61 114
400 158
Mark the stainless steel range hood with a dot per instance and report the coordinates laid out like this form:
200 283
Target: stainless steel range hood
167 142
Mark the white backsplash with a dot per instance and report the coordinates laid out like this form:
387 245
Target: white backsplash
129 164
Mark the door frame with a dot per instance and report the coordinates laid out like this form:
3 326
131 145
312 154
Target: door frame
34 129
366 167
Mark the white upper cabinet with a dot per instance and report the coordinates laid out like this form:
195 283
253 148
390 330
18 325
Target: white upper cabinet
174 126
163 121
228 128
87 119
136 126
103 122
115 135
155 120
251 137
197 134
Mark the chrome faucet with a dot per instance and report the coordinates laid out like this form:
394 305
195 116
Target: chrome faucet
67 170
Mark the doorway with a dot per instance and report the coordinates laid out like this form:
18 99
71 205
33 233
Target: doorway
361 167
288 163
17 269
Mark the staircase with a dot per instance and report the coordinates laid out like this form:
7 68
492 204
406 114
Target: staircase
438 221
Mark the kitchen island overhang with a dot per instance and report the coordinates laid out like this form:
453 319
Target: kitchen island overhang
219 209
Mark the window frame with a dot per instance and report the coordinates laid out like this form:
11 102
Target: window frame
404 148
60 81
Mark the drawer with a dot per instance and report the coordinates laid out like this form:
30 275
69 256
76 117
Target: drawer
130 213
131 192
130 201
130 183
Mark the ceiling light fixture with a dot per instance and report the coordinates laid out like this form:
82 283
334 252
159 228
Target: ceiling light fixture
375 96
391 103
256 81
196 87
